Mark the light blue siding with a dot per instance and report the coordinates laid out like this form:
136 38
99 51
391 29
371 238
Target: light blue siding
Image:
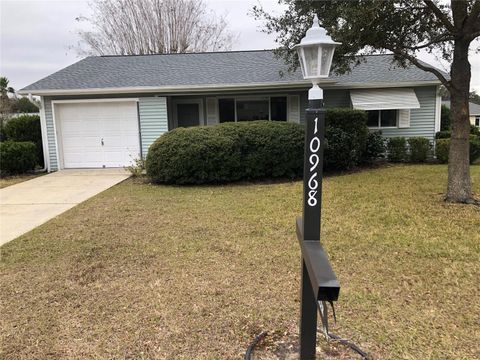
52 147
153 123
422 120
154 116
337 98
333 98
303 105
153 120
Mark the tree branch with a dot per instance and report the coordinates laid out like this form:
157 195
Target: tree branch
439 39
422 66
474 35
473 21
475 12
440 15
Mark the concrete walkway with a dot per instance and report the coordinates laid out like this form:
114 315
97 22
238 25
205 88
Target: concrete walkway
26 205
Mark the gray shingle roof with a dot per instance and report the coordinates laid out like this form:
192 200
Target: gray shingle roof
474 109
198 69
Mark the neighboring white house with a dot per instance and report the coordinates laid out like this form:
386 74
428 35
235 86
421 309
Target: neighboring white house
105 110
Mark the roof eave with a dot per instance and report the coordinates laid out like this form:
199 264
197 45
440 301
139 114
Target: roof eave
170 89
376 85
301 84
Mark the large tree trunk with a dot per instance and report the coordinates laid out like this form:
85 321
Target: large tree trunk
459 183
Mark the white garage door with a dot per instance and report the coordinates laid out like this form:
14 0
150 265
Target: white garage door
98 134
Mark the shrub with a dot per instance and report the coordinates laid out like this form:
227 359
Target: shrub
445 118
397 149
442 147
26 128
136 167
375 148
3 137
446 134
251 150
17 157
346 135
474 130
474 150
227 152
419 149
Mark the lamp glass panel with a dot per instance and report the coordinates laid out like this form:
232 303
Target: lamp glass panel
300 60
326 59
311 60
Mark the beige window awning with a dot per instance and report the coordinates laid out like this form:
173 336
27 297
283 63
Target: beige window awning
383 99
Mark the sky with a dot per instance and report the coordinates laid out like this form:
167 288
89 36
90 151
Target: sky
39 37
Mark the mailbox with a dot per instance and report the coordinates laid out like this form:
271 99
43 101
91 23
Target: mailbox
319 283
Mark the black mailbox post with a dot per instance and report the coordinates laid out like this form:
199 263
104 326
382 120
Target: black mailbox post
319 283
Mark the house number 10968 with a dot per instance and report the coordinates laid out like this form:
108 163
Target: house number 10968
314 160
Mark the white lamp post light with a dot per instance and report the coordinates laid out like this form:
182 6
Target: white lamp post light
315 53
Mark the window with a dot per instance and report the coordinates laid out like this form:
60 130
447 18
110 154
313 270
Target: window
477 121
382 118
188 115
226 110
278 108
249 109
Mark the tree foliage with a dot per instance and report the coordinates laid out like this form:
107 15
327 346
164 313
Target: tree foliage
404 28
5 105
474 97
131 27
24 105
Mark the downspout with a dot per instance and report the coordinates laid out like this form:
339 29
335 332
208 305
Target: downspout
43 127
139 130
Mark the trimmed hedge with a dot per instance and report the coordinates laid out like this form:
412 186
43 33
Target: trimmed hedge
227 152
17 157
26 128
447 134
346 136
375 148
474 150
442 147
397 149
252 150
444 134
419 149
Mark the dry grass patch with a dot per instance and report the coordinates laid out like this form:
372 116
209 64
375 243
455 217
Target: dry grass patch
15 179
144 271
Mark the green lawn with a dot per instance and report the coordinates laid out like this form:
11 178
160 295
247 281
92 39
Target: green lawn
144 271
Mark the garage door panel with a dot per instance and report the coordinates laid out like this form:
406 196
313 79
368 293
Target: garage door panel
79 159
77 141
84 125
115 159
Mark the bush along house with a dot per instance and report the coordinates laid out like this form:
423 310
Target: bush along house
104 111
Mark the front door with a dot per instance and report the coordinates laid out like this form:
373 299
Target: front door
188 112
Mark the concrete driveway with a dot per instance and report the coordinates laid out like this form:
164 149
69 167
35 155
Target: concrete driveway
29 204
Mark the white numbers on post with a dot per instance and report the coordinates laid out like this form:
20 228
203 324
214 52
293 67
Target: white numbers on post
314 160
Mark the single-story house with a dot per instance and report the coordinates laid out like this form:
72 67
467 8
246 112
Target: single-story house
105 110
474 110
